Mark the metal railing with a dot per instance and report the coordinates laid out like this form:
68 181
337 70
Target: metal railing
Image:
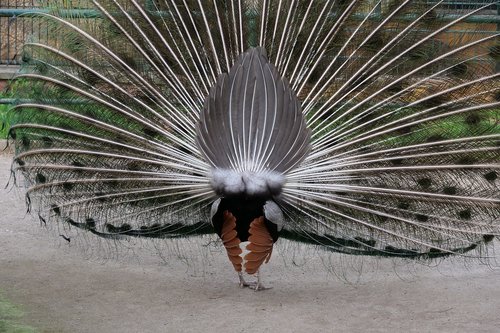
14 29
16 25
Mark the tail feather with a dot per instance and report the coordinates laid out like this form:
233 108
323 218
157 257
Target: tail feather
390 143
252 122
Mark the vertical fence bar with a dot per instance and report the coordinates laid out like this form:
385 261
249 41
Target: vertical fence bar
18 28
8 36
497 65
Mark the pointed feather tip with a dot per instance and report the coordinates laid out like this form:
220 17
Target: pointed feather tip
258 51
228 182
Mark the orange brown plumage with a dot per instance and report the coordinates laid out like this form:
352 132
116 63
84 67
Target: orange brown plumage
231 241
260 247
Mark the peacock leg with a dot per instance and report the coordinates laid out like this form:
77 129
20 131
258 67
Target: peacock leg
243 283
258 286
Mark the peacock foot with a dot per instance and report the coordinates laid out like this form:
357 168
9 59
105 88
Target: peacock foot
256 286
244 284
259 287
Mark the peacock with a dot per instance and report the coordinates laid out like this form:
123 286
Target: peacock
361 127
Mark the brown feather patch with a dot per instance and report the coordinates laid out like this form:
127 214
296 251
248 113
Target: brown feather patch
231 241
260 246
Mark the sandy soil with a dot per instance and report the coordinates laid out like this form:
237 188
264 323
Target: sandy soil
62 291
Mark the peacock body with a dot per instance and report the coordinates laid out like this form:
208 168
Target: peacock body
361 127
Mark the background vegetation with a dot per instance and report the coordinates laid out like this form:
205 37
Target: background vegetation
4 118
9 318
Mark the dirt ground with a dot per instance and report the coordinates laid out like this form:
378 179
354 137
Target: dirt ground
61 290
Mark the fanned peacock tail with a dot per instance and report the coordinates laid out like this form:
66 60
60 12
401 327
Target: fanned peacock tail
401 99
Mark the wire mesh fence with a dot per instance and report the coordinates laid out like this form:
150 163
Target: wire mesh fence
14 30
16 27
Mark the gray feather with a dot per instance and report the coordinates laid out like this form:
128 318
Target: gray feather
252 120
385 141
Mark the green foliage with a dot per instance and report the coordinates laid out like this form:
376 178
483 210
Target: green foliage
4 121
9 318
14 90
